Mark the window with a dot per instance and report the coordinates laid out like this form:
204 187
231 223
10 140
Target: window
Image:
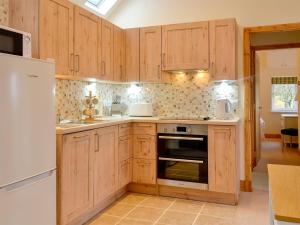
101 6
284 91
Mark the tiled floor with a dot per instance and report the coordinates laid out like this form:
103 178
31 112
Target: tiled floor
137 209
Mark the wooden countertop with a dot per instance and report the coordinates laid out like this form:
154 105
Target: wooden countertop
285 192
110 121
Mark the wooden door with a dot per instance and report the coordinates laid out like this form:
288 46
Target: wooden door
119 54
76 177
223 49
125 172
86 43
56 34
144 146
144 171
132 54
150 54
125 147
106 163
185 46
107 51
222 160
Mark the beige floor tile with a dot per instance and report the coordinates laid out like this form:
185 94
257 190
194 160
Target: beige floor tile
158 202
219 210
127 221
105 220
177 218
133 199
209 220
145 213
119 209
187 206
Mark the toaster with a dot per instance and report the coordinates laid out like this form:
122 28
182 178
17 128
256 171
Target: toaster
140 109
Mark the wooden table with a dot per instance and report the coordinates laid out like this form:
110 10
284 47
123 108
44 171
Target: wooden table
284 184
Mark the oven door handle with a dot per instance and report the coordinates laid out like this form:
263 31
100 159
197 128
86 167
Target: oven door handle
181 138
181 160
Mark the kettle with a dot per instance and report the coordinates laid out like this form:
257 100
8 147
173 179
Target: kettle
224 109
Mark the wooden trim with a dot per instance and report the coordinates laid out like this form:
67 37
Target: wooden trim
248 92
271 47
245 186
273 136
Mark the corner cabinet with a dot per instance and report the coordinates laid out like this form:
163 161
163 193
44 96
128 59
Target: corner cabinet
223 49
185 46
223 160
119 54
132 55
150 54
75 175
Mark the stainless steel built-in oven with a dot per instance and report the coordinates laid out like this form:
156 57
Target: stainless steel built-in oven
182 155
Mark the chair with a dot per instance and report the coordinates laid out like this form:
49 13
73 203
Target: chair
292 132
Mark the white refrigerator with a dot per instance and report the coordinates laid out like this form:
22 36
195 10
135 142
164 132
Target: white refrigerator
27 141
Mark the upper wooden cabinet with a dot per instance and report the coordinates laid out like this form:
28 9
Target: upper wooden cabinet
150 54
223 49
132 52
86 43
107 51
56 34
75 171
185 46
119 54
223 159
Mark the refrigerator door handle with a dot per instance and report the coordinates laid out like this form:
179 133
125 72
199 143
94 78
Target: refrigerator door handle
19 184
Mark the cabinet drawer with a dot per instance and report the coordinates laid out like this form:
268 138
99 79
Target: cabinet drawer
125 129
144 171
144 128
125 172
144 147
125 147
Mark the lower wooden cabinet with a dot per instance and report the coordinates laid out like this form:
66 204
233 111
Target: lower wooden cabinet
144 171
144 146
75 176
223 159
106 163
125 147
125 172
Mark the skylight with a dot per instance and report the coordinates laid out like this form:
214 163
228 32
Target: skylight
101 6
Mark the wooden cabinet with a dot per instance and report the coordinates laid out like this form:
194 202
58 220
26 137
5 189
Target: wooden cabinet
56 34
144 171
125 147
86 43
75 182
119 54
185 46
106 163
107 51
144 146
144 128
223 49
132 54
222 159
150 54
125 172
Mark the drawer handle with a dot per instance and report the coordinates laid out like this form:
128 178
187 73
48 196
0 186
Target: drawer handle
144 125
82 136
181 160
97 142
180 138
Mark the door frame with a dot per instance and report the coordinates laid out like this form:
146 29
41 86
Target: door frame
249 88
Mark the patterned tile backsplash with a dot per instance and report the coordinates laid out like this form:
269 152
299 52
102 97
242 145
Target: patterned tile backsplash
185 96
4 12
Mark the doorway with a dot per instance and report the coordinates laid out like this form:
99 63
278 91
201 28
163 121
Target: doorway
257 39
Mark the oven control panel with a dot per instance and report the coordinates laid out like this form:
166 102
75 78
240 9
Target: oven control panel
191 129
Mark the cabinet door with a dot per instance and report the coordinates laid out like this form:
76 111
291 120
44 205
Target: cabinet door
86 44
223 49
107 50
125 172
185 46
76 188
222 159
132 54
144 171
119 54
56 34
144 147
150 54
125 147
106 163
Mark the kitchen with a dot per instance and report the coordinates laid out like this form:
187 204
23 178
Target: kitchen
147 110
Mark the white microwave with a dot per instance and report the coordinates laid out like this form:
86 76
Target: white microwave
15 42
